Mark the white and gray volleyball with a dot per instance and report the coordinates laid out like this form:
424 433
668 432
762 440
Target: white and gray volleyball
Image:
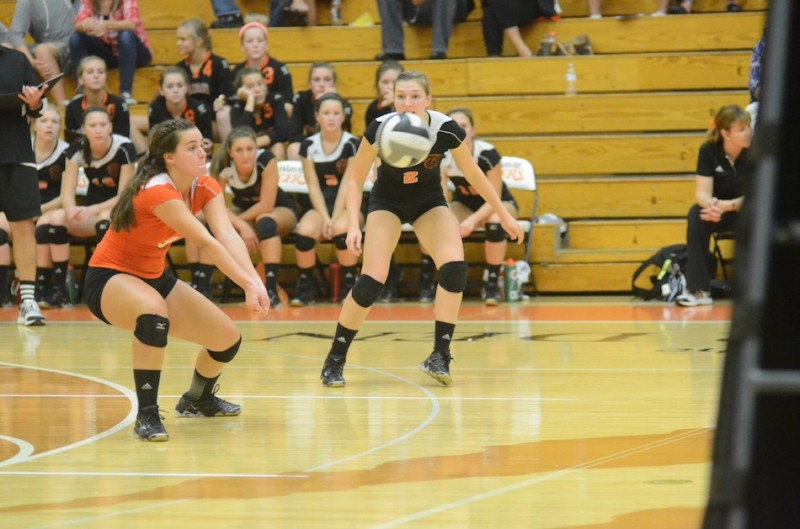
404 140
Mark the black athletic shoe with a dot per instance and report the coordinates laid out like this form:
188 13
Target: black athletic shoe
331 375
55 298
303 293
233 20
427 292
148 425
491 295
348 282
211 407
437 366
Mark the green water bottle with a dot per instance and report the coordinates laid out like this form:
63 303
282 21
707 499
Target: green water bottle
72 288
513 288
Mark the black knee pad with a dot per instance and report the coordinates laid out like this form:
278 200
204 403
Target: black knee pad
4 237
57 234
41 234
366 291
226 355
453 276
101 227
494 232
152 329
303 243
340 241
266 228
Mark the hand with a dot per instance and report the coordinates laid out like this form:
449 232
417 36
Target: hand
77 213
32 96
97 28
248 235
327 229
466 227
46 69
256 298
244 94
512 227
219 103
353 240
712 212
387 100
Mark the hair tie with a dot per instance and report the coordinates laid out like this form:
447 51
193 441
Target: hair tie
258 25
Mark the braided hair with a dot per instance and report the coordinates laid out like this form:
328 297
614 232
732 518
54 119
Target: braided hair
163 139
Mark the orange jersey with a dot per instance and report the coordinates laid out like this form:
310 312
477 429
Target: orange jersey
141 251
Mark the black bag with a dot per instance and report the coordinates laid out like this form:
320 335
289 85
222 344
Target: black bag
668 282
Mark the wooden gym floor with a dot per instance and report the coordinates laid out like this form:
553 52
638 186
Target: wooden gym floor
568 413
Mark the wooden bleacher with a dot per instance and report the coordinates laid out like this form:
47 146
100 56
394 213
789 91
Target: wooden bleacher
616 161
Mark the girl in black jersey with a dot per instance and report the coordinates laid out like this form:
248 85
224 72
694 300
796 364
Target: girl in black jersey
410 194
92 79
303 123
325 158
260 110
471 210
172 102
261 213
385 76
50 153
107 160
209 74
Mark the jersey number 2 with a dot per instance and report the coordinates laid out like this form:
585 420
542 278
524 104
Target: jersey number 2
410 177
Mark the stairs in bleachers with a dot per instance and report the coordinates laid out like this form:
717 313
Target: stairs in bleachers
616 161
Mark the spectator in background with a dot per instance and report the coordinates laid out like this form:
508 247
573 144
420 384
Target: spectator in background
49 23
261 110
19 193
303 123
503 18
227 13
719 196
385 76
113 30
92 81
440 14
685 7
755 79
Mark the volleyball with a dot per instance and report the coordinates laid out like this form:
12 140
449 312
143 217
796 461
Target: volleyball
404 140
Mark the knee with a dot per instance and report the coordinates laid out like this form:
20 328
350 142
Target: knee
366 291
3 237
266 228
453 276
56 234
303 243
41 234
340 241
152 330
127 38
226 355
494 232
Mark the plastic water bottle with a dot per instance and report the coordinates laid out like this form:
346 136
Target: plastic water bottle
71 286
572 80
513 288
336 12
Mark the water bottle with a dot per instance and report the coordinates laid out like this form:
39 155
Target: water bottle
572 80
336 12
71 286
335 278
513 288
548 45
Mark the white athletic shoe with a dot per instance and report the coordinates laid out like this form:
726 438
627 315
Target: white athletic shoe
694 299
29 314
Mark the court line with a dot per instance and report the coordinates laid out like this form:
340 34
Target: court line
25 449
424 424
318 397
91 473
91 439
537 480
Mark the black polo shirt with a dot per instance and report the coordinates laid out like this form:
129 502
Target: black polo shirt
714 163
15 136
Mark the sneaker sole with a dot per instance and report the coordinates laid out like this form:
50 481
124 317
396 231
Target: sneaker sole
336 384
442 379
491 302
36 322
155 438
201 414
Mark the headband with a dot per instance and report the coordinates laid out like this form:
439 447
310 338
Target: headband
258 25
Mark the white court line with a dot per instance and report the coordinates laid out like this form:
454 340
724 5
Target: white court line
533 481
25 449
91 439
319 397
87 474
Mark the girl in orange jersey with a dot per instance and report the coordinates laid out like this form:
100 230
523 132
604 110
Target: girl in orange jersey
128 287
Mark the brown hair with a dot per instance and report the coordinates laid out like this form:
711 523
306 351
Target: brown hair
164 139
727 117
415 75
223 157
198 29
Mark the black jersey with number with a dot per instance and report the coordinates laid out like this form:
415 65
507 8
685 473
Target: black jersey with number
50 171
329 167
116 107
246 193
103 173
487 157
210 81
304 123
194 111
267 120
276 75
410 184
